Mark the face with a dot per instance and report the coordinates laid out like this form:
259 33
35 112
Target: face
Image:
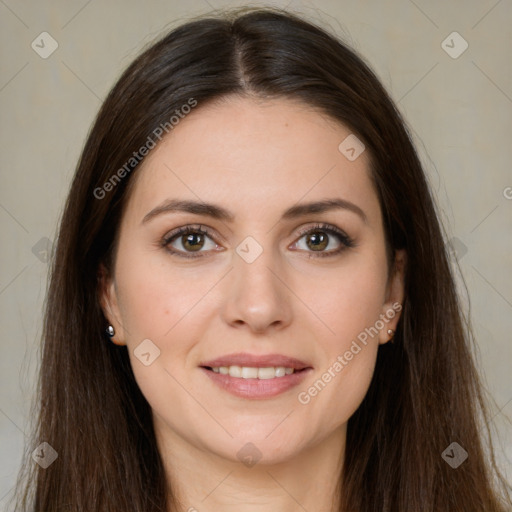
251 283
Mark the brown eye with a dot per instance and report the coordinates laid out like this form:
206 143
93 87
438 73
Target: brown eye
189 240
193 241
323 240
317 240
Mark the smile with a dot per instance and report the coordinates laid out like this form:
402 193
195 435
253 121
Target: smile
255 376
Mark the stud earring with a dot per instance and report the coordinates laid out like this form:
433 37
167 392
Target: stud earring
391 334
110 331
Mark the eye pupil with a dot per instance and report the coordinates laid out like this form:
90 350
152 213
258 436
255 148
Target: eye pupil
193 241
318 239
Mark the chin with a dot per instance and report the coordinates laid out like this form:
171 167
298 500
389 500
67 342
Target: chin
260 449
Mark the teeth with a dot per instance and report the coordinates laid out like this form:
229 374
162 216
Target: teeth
246 372
235 371
267 373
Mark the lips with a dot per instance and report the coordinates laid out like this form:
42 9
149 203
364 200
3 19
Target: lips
256 377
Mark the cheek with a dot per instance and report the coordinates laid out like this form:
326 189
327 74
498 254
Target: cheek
155 297
338 387
348 300
349 305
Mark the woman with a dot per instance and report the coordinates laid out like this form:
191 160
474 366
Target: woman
250 225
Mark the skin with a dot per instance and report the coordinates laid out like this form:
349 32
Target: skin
255 158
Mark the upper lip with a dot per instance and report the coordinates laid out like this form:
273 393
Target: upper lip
255 361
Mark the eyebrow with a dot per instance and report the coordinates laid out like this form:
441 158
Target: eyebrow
217 212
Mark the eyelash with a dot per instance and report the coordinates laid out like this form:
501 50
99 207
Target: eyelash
344 239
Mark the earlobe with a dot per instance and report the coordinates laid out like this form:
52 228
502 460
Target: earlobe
392 308
110 331
107 297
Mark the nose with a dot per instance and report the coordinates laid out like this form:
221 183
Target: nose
256 297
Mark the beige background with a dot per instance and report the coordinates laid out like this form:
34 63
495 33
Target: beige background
459 111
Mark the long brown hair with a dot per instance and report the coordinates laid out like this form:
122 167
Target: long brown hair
425 393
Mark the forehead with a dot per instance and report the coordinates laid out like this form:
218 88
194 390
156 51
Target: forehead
254 155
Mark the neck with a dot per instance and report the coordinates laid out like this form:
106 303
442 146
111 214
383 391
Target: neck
207 482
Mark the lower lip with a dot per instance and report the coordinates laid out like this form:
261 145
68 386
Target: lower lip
257 388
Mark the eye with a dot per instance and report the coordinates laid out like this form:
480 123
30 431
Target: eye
324 240
187 240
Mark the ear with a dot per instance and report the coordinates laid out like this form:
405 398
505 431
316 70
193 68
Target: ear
392 307
109 304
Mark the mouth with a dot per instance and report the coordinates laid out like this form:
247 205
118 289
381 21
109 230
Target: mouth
256 377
